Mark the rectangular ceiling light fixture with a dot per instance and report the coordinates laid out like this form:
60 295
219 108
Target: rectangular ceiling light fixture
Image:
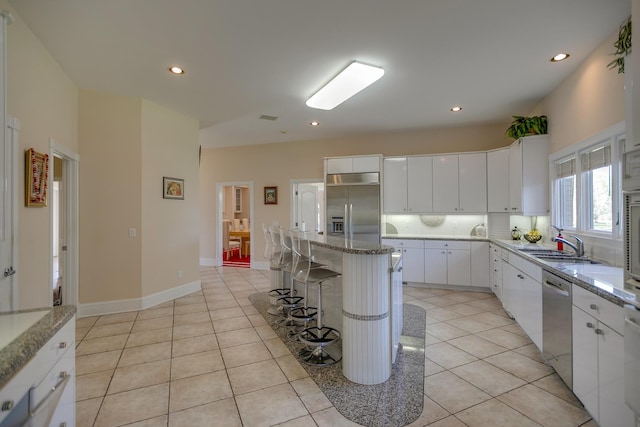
350 81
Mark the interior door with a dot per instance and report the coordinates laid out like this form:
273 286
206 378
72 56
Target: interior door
8 220
309 206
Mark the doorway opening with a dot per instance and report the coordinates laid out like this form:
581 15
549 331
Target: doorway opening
63 183
234 224
307 209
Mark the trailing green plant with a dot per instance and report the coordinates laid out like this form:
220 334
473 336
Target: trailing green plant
623 46
526 126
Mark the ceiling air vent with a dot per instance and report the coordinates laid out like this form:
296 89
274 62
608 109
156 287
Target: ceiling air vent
265 117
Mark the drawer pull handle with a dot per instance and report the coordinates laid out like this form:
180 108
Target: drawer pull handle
593 306
599 332
590 325
63 344
7 405
63 375
520 276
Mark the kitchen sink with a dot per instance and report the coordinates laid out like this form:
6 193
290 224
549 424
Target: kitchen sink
566 259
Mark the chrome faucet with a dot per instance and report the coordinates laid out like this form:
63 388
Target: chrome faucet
578 246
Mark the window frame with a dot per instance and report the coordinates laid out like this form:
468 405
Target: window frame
615 137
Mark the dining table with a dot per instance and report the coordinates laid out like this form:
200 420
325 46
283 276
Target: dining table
245 236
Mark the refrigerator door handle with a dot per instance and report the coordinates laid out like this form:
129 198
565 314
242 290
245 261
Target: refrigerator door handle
351 221
346 222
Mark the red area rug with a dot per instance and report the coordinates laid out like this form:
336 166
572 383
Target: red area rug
236 261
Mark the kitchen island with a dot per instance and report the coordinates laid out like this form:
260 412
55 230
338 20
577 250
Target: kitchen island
368 309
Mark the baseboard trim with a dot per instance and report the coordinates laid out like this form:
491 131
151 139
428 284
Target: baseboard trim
135 304
260 265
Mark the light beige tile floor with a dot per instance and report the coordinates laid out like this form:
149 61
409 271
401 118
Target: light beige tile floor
209 359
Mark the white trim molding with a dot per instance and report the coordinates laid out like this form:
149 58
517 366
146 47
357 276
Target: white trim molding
134 304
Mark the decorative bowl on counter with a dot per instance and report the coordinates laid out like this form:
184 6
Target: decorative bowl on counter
532 238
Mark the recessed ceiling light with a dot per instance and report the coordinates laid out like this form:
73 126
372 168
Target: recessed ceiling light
314 123
456 108
176 70
560 57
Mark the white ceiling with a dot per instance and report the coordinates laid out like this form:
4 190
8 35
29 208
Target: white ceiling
245 58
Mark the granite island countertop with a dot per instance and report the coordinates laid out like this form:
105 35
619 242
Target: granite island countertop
20 349
350 246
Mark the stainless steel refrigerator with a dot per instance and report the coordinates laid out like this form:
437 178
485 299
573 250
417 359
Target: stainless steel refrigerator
353 206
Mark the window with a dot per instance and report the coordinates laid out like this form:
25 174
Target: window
566 193
596 174
586 186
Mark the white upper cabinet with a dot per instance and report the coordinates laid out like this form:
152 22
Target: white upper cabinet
529 176
419 184
472 182
498 181
353 164
394 185
445 183
407 184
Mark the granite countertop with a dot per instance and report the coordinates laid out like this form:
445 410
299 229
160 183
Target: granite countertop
350 246
19 351
603 280
430 237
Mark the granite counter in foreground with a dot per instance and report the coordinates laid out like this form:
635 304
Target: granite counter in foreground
15 355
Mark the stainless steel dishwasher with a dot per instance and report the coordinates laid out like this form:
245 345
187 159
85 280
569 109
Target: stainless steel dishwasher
556 325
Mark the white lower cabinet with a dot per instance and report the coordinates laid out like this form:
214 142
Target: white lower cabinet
447 262
598 359
480 264
495 270
412 258
522 295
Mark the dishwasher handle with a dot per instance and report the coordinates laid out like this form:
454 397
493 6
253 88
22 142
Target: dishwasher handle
556 287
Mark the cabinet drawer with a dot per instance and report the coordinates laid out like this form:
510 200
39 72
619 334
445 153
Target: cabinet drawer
527 267
404 243
65 367
62 341
447 244
603 310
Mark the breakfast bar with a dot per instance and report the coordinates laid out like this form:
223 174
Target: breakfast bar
367 310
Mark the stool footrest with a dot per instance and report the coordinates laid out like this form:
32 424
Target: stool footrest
303 314
290 302
318 337
320 356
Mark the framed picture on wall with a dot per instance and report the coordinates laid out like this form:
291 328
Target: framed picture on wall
36 179
270 195
172 188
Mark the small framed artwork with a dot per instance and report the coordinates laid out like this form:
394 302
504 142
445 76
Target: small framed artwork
270 195
172 188
36 179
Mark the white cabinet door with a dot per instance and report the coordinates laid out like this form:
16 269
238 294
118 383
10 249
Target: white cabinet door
435 266
529 176
531 310
413 265
458 267
340 165
612 409
394 185
498 181
445 183
366 164
480 264
585 360
419 184
472 182
515 177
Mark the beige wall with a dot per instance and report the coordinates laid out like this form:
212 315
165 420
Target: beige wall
45 101
587 102
277 164
110 197
170 228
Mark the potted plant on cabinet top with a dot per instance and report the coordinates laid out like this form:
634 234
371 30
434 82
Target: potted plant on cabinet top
526 126
622 45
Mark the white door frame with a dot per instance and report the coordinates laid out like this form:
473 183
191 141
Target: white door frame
220 209
70 162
